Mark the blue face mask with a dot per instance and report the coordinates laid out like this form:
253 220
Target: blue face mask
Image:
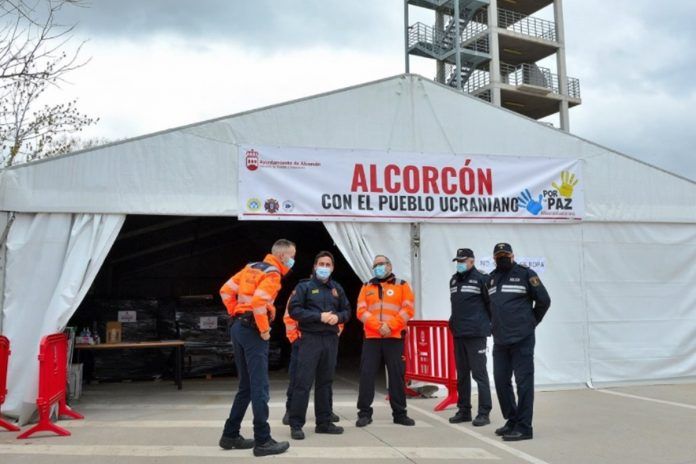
322 273
380 271
461 268
290 262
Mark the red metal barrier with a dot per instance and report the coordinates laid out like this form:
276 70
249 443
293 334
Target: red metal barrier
4 358
53 368
429 352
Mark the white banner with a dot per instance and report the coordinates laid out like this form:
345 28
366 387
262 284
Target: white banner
305 184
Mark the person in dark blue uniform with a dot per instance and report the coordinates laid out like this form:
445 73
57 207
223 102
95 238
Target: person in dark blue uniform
470 324
319 305
519 302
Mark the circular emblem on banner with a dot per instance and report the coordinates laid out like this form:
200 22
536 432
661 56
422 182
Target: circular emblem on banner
271 205
288 206
253 204
390 292
252 160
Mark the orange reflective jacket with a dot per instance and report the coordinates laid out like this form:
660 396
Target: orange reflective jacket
389 301
253 289
291 329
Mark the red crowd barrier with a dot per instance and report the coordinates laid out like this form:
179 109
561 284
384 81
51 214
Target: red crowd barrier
429 353
4 359
53 368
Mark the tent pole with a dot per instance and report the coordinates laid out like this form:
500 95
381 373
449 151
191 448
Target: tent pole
416 268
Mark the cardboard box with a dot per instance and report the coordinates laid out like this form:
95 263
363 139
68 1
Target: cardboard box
113 332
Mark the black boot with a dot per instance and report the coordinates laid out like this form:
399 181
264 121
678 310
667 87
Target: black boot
335 418
404 420
239 442
271 447
507 428
296 433
516 435
286 418
481 420
460 417
363 421
329 428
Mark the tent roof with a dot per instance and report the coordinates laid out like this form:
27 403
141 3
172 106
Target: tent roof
192 170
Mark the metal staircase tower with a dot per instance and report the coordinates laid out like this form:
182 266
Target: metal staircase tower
490 49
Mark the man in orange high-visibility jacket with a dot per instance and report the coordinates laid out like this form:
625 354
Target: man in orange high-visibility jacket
248 297
292 332
385 306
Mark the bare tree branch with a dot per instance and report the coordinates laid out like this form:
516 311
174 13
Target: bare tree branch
33 57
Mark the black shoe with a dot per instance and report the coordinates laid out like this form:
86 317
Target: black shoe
516 435
481 420
505 429
296 433
363 421
286 419
329 428
271 447
460 417
404 420
335 418
239 442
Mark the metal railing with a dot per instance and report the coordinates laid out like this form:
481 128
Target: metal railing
477 80
527 25
531 74
472 37
574 87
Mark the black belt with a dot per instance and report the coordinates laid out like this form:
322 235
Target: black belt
247 319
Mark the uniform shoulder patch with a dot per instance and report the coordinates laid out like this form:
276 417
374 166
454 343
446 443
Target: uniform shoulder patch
535 281
334 293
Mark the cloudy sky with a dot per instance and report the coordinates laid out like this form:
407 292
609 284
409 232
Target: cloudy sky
156 64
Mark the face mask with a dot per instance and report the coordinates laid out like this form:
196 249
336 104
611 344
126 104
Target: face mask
462 267
322 273
504 263
290 262
380 271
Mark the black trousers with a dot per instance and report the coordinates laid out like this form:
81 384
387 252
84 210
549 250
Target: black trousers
316 364
470 355
517 359
375 353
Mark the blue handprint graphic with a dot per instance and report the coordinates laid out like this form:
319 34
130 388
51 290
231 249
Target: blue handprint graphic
532 205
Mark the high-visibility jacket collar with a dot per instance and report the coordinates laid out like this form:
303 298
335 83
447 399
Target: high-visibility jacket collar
273 261
390 279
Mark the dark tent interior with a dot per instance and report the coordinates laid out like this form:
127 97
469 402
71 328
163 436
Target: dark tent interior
168 270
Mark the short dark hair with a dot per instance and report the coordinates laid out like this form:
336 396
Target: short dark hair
324 254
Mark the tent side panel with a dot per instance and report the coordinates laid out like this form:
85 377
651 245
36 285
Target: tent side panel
561 356
641 301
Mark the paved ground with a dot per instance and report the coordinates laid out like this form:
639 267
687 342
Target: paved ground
151 422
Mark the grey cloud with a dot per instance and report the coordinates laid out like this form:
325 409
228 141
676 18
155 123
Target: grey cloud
262 24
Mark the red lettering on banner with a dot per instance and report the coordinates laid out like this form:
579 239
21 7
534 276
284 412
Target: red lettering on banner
430 179
411 179
448 186
423 179
373 180
359 180
391 187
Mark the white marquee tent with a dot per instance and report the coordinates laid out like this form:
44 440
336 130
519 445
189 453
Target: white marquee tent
621 281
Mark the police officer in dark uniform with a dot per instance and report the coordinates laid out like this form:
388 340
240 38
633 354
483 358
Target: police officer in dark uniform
319 305
470 324
519 302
